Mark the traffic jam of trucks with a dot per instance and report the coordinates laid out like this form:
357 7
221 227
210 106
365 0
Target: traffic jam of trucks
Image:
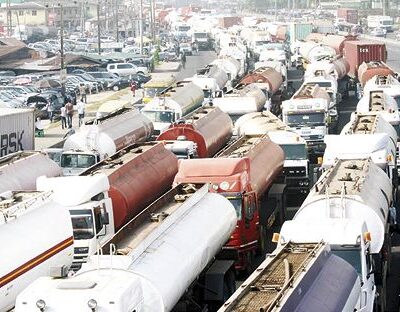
251 185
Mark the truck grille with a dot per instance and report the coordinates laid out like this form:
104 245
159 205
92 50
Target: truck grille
295 171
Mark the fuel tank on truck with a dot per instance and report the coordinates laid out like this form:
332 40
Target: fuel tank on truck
264 75
111 133
368 70
228 64
36 237
138 175
20 170
242 100
209 128
337 68
155 274
352 189
337 42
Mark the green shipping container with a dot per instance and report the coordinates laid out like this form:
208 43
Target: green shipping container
299 31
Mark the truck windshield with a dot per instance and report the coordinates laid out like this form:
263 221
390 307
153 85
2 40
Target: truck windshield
387 23
77 160
159 116
236 201
200 35
351 254
294 151
306 119
183 28
82 224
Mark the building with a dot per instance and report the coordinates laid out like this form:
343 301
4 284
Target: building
28 13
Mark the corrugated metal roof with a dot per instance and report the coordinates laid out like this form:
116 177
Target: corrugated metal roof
13 111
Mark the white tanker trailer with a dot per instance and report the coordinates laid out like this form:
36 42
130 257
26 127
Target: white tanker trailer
210 78
312 52
242 100
20 170
349 209
175 103
298 277
230 65
36 240
100 138
160 254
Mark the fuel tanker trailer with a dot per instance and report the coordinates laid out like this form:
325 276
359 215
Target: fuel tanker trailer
368 70
175 103
349 209
36 241
377 101
20 170
103 137
230 65
136 175
208 128
312 52
151 263
243 173
337 42
338 68
241 100
266 78
309 269
210 79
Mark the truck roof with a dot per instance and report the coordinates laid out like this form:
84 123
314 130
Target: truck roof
310 269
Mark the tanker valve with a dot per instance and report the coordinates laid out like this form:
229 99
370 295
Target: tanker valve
41 305
158 217
92 304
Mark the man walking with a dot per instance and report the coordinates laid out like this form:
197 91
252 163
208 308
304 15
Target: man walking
81 111
82 91
70 112
63 117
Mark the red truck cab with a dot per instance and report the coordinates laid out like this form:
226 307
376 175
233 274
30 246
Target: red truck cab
243 173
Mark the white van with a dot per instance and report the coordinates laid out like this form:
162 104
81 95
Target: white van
126 69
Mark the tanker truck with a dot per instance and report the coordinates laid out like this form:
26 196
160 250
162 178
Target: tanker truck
210 79
201 134
349 208
241 100
312 52
31 245
386 83
307 113
380 102
367 70
175 103
231 66
243 173
295 174
309 269
103 137
366 135
151 263
270 82
130 180
19 170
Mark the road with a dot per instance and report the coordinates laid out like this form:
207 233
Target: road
194 63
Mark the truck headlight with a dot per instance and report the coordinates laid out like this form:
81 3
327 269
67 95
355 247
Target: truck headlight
92 304
41 305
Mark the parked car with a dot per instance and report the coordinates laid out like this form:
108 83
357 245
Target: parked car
140 79
126 69
39 103
110 80
378 32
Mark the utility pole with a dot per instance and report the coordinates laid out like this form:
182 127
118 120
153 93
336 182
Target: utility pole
62 72
9 19
141 27
98 27
384 8
116 19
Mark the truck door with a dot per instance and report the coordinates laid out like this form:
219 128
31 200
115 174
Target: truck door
250 218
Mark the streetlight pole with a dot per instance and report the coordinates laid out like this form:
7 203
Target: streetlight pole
98 27
141 27
62 73
116 19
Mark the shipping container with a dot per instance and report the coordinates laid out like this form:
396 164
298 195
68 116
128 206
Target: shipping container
349 15
357 52
229 21
299 31
17 130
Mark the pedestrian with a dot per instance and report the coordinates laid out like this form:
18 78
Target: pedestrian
82 91
50 110
133 88
183 59
63 117
70 112
81 112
